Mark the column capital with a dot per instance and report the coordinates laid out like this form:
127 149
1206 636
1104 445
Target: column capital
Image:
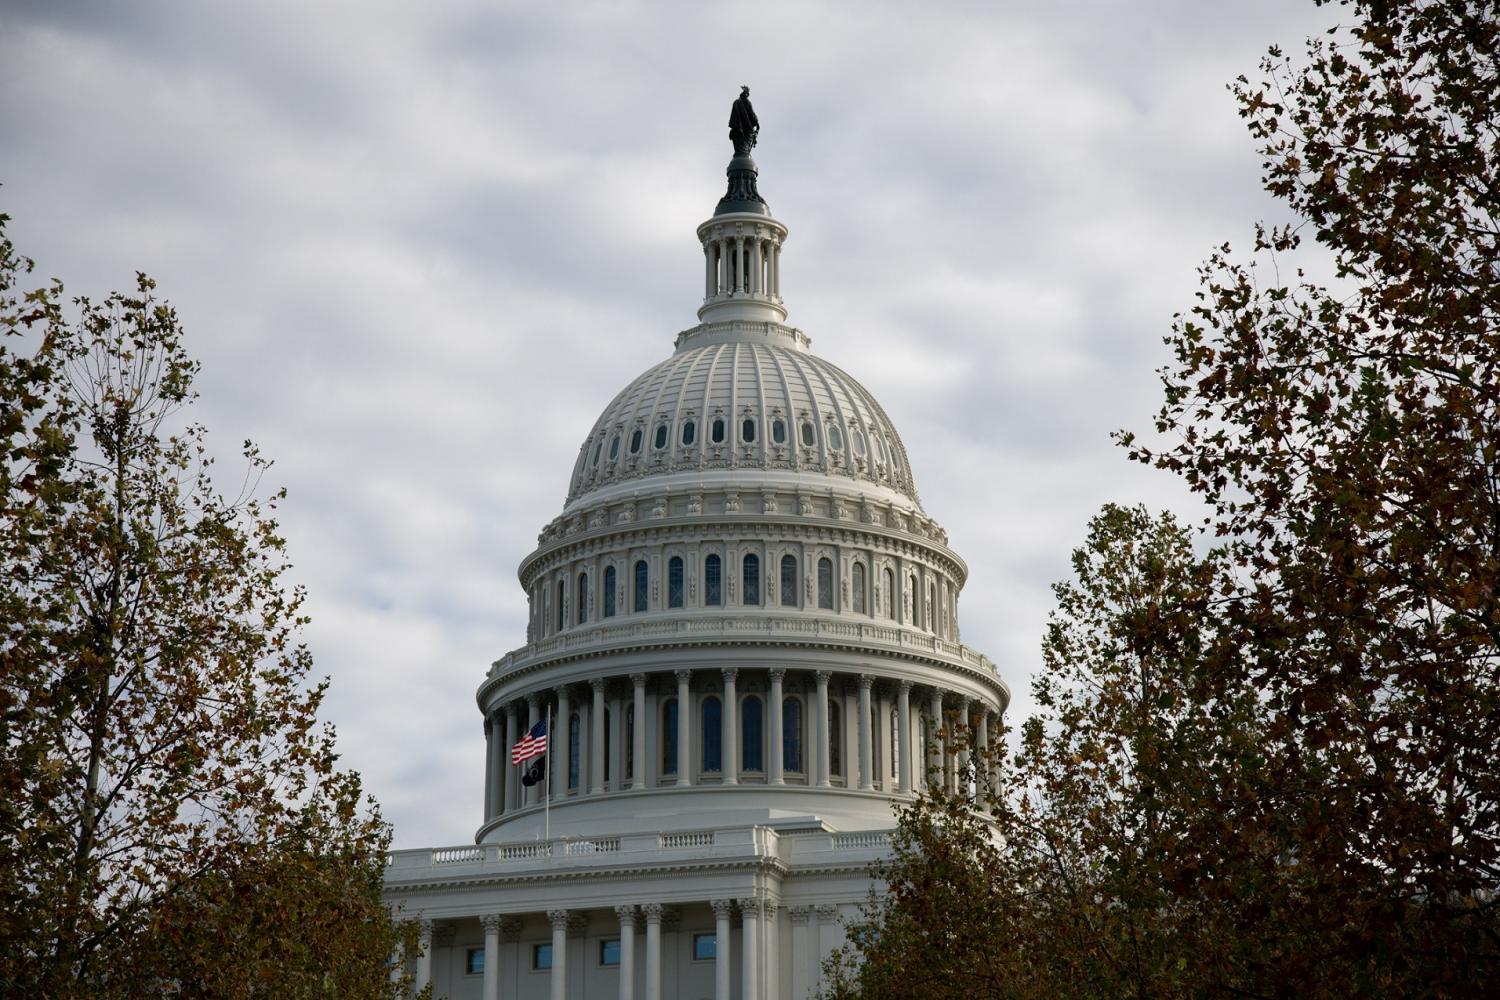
653 912
597 683
866 682
626 914
750 906
799 914
730 673
906 686
824 676
683 676
639 680
533 699
559 919
828 911
777 674
491 922
424 933
722 907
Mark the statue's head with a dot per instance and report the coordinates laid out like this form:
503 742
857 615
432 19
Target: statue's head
744 90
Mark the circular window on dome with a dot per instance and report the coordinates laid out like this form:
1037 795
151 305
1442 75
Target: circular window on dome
857 444
614 448
689 432
808 434
778 431
747 431
835 439
716 432
635 441
661 437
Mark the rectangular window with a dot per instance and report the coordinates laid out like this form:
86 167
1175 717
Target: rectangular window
541 957
609 952
674 583
705 947
474 961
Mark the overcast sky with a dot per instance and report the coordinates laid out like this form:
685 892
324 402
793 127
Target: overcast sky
418 248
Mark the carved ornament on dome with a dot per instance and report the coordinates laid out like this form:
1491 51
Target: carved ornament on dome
695 504
731 503
598 518
768 503
659 508
627 516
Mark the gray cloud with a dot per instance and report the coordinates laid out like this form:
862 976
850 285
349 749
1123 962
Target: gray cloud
419 249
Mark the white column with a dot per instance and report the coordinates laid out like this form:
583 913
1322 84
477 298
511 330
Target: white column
776 272
739 264
821 746
653 950
684 729
722 910
730 719
750 958
596 759
513 786
777 764
804 957
502 761
965 707
627 951
638 744
424 956
559 976
982 772
866 744
935 754
563 741
708 269
903 737
533 794
490 739
756 278
491 922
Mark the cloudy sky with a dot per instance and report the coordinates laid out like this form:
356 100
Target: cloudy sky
418 247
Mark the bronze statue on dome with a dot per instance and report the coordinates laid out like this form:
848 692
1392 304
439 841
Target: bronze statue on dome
743 125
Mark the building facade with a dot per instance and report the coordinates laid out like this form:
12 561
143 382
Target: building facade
744 634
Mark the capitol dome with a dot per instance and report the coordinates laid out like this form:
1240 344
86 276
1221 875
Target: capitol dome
742 652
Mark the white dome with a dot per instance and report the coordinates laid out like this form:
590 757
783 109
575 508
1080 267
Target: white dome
744 396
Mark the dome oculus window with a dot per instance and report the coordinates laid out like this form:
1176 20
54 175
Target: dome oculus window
635 441
717 431
778 431
689 432
747 430
809 438
661 437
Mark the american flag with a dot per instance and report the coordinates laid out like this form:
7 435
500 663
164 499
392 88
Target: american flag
533 744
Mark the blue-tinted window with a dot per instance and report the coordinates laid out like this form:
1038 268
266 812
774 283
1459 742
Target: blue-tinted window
789 581
705 947
713 734
609 591
835 738
750 754
825 583
661 436
689 432
751 579
614 447
541 957
809 437
669 737
857 586
575 731
606 744
778 431
747 431
642 584
609 952
583 598
713 581
791 734
635 441
717 432
630 741
599 447
561 593
474 961
835 439
674 582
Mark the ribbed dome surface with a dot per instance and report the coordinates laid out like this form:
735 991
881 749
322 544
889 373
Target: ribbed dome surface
743 403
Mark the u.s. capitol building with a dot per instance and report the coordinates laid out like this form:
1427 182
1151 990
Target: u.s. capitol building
744 629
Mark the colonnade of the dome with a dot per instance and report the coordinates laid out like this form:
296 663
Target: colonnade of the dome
742 258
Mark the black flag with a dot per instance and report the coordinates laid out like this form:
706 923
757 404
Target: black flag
535 773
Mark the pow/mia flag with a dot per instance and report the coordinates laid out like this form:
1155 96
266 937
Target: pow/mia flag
535 773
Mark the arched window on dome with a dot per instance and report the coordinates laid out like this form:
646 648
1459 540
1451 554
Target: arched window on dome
689 432
857 443
558 608
791 734
713 581
635 441
809 436
674 582
913 602
713 735
747 430
857 587
598 450
825 583
835 739
752 735
669 736
895 744
642 586
583 598
778 431
609 591
751 581
660 441
930 612
789 581
575 730
835 438
629 747
889 597
716 431
614 447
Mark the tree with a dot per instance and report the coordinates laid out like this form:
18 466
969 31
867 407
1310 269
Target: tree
1311 804
173 820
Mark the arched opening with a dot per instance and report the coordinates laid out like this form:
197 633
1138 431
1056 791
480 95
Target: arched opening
789 581
857 587
574 731
890 594
713 735
713 581
642 585
669 736
791 734
825 583
561 592
751 579
630 741
607 721
583 598
609 591
751 734
835 739
674 582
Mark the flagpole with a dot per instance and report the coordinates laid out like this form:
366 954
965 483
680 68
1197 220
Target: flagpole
547 806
